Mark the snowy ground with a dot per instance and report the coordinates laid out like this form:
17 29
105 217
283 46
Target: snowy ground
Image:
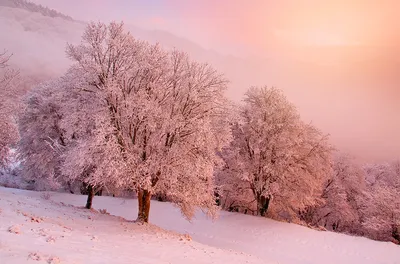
35 228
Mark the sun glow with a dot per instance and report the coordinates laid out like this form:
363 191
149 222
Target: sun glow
315 38
323 38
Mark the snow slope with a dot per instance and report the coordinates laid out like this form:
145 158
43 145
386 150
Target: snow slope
36 230
75 235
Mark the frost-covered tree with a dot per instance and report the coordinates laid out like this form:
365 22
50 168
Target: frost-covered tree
360 200
42 138
343 192
381 210
386 173
274 156
165 111
9 94
93 155
53 126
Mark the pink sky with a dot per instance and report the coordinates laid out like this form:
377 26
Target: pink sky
260 24
255 25
338 60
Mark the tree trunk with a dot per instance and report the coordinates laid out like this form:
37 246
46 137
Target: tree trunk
90 190
217 198
396 232
263 204
144 197
70 187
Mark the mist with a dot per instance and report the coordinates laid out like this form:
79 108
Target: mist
348 86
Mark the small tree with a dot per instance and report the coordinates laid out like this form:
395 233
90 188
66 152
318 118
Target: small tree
165 112
274 156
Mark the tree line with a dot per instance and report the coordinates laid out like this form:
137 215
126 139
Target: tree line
131 116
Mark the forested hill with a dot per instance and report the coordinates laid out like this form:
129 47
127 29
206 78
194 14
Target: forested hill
29 6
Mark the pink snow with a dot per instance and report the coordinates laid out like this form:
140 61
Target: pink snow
54 228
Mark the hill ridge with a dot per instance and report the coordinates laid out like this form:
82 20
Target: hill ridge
32 7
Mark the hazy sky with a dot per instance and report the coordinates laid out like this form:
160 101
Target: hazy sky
252 26
337 60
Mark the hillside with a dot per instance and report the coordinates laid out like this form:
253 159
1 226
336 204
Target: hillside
53 228
36 41
29 6
36 230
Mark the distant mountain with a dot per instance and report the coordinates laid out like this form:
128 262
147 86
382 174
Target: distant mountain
22 4
38 42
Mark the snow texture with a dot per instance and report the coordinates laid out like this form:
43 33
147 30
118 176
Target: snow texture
53 228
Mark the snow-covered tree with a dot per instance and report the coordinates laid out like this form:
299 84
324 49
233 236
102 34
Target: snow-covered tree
165 111
360 200
8 106
42 138
386 173
55 125
381 210
274 157
343 192
93 155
